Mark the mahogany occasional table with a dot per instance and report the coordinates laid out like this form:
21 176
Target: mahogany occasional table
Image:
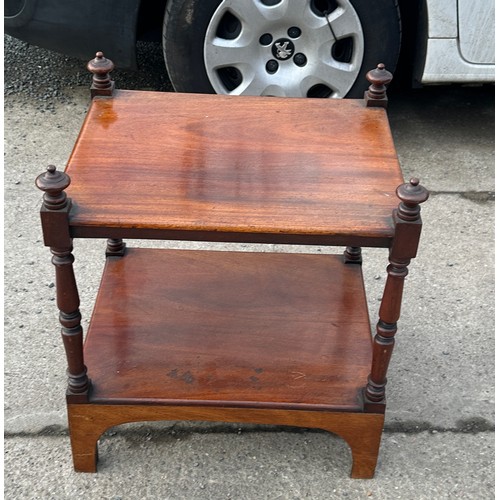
269 338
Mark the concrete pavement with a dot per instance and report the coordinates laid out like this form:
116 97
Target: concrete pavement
438 439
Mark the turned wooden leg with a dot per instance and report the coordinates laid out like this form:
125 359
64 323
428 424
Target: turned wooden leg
55 221
352 255
408 225
383 343
69 316
115 247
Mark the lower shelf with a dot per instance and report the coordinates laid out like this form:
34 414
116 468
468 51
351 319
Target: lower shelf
232 329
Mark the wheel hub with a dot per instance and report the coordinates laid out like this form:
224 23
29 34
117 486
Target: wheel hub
283 49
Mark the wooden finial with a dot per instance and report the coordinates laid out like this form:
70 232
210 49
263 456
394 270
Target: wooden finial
376 94
100 67
352 255
53 183
411 195
115 247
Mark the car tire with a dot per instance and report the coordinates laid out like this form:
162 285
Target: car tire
232 47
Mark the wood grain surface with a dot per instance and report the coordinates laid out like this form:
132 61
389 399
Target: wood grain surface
229 329
176 163
361 431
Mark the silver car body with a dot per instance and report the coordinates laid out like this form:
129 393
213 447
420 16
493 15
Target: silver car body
460 44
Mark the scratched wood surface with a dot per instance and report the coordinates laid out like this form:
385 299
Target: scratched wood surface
229 329
161 162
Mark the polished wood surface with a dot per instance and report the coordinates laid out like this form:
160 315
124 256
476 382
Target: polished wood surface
230 329
175 165
54 214
408 226
225 336
361 431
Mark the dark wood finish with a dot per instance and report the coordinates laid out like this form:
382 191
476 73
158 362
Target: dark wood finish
407 221
408 225
115 247
53 183
68 303
376 95
210 166
353 255
361 431
230 329
229 237
100 67
54 212
54 215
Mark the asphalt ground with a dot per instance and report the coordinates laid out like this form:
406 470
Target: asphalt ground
439 435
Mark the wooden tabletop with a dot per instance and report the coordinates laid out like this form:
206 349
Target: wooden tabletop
150 164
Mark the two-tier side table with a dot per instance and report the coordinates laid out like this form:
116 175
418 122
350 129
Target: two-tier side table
260 337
